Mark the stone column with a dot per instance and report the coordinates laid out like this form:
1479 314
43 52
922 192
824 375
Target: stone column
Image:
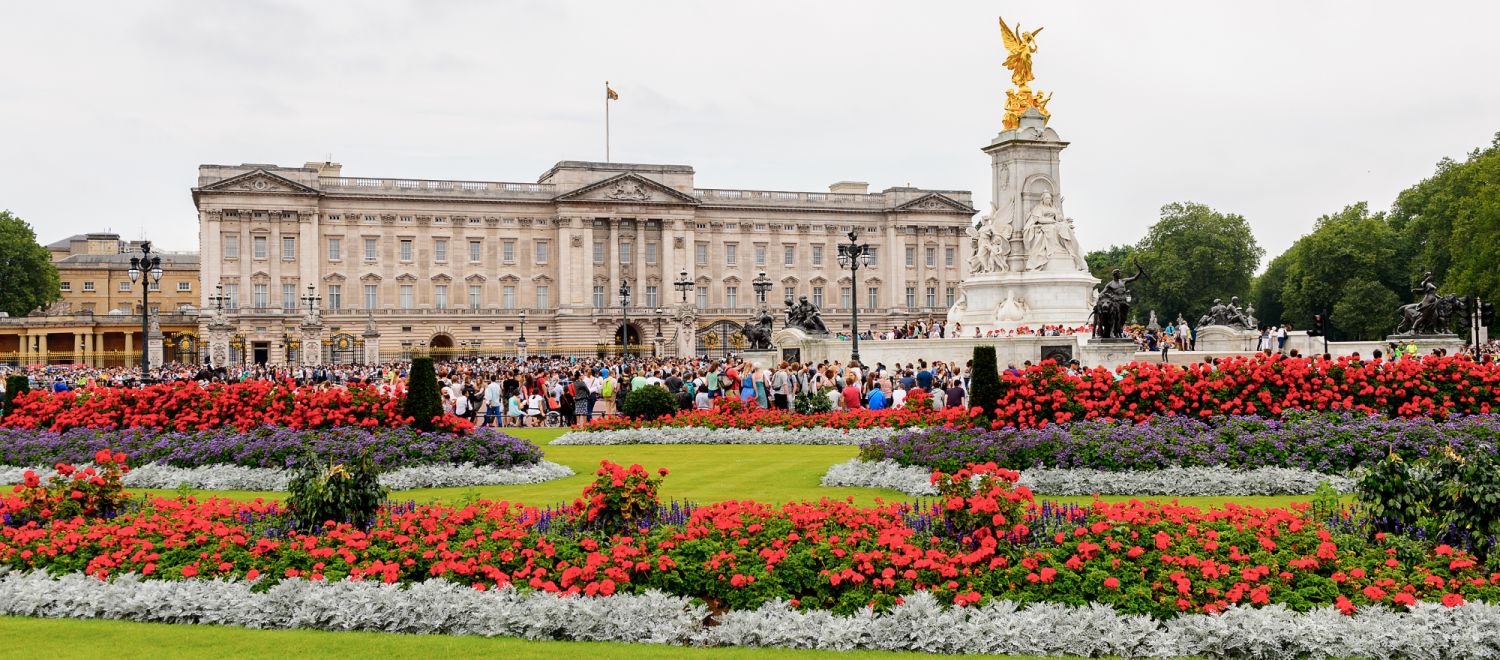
41 348
566 263
667 258
639 248
23 354
581 287
895 266
612 263
130 348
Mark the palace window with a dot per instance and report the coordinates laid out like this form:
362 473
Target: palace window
259 246
789 255
261 295
931 257
845 298
476 251
700 253
231 246
289 297
372 296
625 250
125 287
817 296
476 296
702 297
440 249
874 256
232 294
335 247
371 249
874 297
650 296
543 248
65 286
440 296
932 296
407 297
911 257
598 252
508 252
732 297
911 296
288 248
598 297
651 252
88 286
817 255
543 297
335 296
948 256
791 293
406 249
760 254
948 294
731 253
184 287
508 296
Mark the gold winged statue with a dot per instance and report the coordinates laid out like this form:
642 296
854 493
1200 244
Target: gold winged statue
1019 47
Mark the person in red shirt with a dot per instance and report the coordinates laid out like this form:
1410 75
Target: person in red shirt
851 394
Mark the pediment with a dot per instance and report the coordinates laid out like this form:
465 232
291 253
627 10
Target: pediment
406 277
509 279
627 188
334 277
543 278
476 277
441 278
259 181
937 202
370 277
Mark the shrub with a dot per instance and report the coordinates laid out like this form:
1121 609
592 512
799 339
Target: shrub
15 386
338 492
649 403
984 386
620 499
981 499
811 403
1443 496
423 404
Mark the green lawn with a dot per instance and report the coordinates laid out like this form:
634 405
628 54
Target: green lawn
119 640
701 473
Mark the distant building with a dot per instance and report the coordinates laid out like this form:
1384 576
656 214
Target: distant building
450 266
98 320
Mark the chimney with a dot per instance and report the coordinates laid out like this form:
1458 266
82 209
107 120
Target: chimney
850 187
324 168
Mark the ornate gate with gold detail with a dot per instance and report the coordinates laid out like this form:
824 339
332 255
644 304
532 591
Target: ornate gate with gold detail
343 348
181 348
719 338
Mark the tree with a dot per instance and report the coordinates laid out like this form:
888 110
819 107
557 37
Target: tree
423 404
28 279
1450 224
1365 310
1265 291
1193 255
984 384
1351 244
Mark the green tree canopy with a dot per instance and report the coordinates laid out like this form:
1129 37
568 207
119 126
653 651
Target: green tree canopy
1450 224
1101 262
28 279
1348 245
1193 255
1365 310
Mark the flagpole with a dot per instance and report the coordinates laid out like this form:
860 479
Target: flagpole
606 121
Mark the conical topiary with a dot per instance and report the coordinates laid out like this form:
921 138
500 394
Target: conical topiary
423 403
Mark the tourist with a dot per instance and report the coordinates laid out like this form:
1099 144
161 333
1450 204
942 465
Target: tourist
955 394
877 397
851 393
898 397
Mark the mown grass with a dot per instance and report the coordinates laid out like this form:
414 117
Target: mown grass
120 640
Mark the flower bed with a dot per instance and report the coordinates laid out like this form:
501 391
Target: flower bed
268 447
675 435
1330 443
1170 482
189 405
918 624
1428 387
730 414
982 542
236 477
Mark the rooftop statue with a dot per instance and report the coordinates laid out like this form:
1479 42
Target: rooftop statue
1019 47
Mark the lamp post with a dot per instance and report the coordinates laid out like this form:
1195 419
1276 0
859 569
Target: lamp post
683 284
218 298
625 317
521 341
852 255
761 284
145 268
311 300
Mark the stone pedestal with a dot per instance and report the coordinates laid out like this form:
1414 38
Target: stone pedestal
155 346
1006 285
372 342
1224 339
762 359
1426 343
1106 352
311 341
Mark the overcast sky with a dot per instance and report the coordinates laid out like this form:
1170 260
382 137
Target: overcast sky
1279 111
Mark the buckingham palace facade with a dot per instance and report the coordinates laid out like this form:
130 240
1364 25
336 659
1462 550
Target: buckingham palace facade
302 264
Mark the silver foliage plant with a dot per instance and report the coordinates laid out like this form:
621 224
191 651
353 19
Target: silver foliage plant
921 623
235 477
1173 482
726 436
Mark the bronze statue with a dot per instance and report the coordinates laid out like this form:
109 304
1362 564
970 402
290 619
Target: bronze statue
758 331
1113 305
805 317
1433 314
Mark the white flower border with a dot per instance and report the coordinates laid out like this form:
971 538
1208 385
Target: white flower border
921 623
692 435
235 477
1167 482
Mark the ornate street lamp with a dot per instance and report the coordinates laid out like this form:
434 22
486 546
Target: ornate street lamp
625 317
218 298
761 284
521 342
311 299
683 284
852 255
147 266
657 348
